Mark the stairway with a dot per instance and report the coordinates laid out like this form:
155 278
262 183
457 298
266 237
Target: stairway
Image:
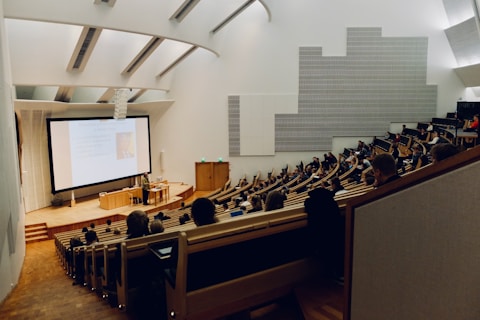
320 299
36 232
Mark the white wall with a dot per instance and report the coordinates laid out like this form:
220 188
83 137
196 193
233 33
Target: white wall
260 57
255 56
12 219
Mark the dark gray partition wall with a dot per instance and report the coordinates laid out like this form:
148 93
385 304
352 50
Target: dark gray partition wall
416 252
379 81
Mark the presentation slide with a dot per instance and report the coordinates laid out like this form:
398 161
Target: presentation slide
91 151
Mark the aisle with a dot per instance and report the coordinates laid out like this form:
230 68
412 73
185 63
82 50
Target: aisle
45 292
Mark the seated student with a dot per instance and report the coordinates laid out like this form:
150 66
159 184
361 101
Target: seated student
416 155
225 207
144 280
399 158
443 151
332 160
274 200
109 223
137 224
256 204
336 186
474 125
429 144
90 237
79 271
397 138
325 162
384 169
422 135
203 212
362 149
184 218
315 164
244 202
435 138
156 226
326 229
361 165
351 158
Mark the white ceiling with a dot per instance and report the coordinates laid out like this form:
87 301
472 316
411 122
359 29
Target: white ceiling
42 37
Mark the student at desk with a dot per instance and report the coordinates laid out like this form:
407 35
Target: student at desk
416 155
422 135
474 125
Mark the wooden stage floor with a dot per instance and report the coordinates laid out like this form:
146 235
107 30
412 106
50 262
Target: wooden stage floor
86 210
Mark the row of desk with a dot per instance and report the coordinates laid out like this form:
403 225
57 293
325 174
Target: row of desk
461 136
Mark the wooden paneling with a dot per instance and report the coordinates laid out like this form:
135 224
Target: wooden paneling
211 175
120 198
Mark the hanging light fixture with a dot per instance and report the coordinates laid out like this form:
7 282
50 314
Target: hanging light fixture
121 99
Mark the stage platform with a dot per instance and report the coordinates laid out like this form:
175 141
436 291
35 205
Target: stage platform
87 210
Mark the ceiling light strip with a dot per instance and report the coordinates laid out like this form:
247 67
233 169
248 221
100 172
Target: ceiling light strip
232 16
179 59
64 94
137 95
106 96
184 9
84 48
143 55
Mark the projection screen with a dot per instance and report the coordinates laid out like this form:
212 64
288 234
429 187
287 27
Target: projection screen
89 151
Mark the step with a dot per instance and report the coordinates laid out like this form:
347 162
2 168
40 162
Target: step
36 233
35 228
37 238
320 300
35 225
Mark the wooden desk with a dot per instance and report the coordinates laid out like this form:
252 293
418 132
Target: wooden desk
162 190
120 198
463 136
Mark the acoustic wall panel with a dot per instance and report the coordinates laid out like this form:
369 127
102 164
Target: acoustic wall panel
256 122
380 80
234 125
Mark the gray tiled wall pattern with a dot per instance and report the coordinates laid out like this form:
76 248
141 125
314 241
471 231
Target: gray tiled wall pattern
234 125
380 80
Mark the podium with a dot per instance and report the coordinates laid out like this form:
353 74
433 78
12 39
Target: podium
120 198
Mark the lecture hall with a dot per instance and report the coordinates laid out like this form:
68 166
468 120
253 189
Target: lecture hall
240 159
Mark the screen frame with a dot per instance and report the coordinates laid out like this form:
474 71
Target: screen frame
50 151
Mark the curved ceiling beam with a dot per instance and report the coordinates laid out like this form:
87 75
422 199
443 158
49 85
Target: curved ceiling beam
155 20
